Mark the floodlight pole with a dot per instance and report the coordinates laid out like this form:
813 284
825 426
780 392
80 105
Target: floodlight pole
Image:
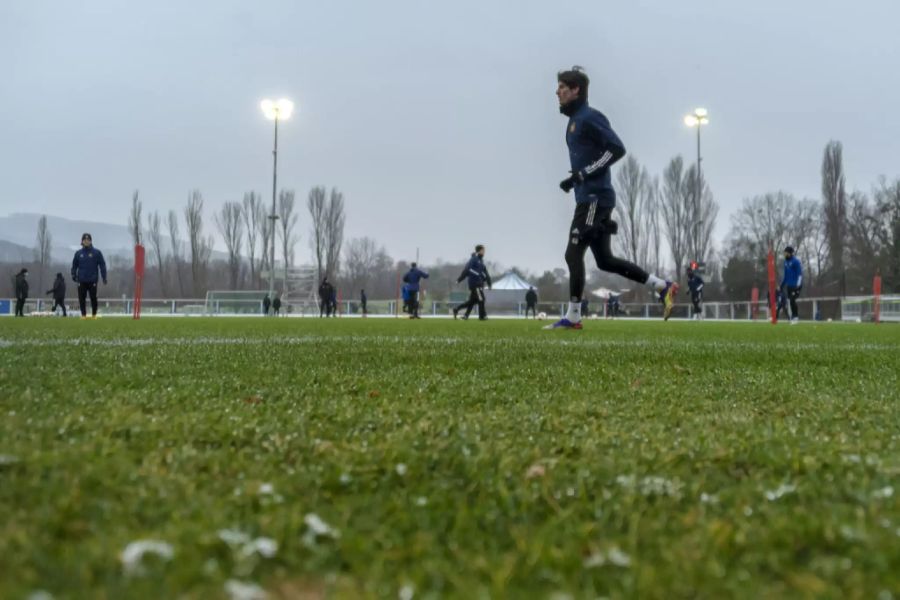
697 198
274 216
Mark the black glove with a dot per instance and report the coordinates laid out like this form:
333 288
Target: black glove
567 184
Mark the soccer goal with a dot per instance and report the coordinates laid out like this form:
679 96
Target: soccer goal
231 302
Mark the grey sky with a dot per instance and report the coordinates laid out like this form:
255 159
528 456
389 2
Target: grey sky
437 120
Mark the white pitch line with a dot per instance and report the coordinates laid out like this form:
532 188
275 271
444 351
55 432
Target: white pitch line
531 342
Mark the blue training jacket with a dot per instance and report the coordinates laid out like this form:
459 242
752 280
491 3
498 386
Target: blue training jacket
593 148
793 273
475 272
86 264
413 277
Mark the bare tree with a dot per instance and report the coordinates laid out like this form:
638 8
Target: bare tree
316 204
701 215
154 232
652 225
361 259
231 226
334 232
287 218
634 196
253 215
674 212
177 244
266 236
200 247
134 219
44 240
834 201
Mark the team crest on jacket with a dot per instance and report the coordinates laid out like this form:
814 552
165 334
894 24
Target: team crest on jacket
572 128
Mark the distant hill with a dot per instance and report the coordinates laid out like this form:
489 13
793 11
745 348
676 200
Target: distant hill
15 253
18 233
20 229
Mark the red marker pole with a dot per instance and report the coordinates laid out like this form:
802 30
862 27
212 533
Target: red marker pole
138 280
773 307
754 303
876 290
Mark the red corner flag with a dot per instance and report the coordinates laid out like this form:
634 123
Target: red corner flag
773 307
138 279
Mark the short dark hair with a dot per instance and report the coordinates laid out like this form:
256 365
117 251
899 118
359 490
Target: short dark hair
479 247
575 78
413 265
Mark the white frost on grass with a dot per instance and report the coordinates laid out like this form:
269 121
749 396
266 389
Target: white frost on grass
317 528
651 486
8 459
133 554
885 492
781 491
613 556
401 469
233 537
709 498
407 592
266 489
246 546
239 590
265 547
39 595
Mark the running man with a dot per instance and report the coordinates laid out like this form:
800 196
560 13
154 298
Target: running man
695 285
412 279
593 149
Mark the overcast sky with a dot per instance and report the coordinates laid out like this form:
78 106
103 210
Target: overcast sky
438 121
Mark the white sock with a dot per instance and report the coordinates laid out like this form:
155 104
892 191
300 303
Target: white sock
655 283
574 312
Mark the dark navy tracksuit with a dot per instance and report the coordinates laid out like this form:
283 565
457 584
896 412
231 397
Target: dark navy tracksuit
88 267
593 148
695 285
477 275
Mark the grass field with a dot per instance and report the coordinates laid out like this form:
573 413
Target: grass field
398 459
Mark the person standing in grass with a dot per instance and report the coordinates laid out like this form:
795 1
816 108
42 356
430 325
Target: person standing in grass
412 279
593 148
476 274
21 291
326 294
531 302
267 302
59 293
363 302
88 268
276 306
792 282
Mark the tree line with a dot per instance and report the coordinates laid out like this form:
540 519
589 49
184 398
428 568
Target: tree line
665 222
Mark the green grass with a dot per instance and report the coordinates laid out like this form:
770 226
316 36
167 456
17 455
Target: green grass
454 459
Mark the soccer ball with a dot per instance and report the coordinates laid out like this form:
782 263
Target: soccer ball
542 316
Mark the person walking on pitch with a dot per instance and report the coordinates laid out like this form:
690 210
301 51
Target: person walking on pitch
21 291
59 293
276 306
477 275
88 267
593 148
